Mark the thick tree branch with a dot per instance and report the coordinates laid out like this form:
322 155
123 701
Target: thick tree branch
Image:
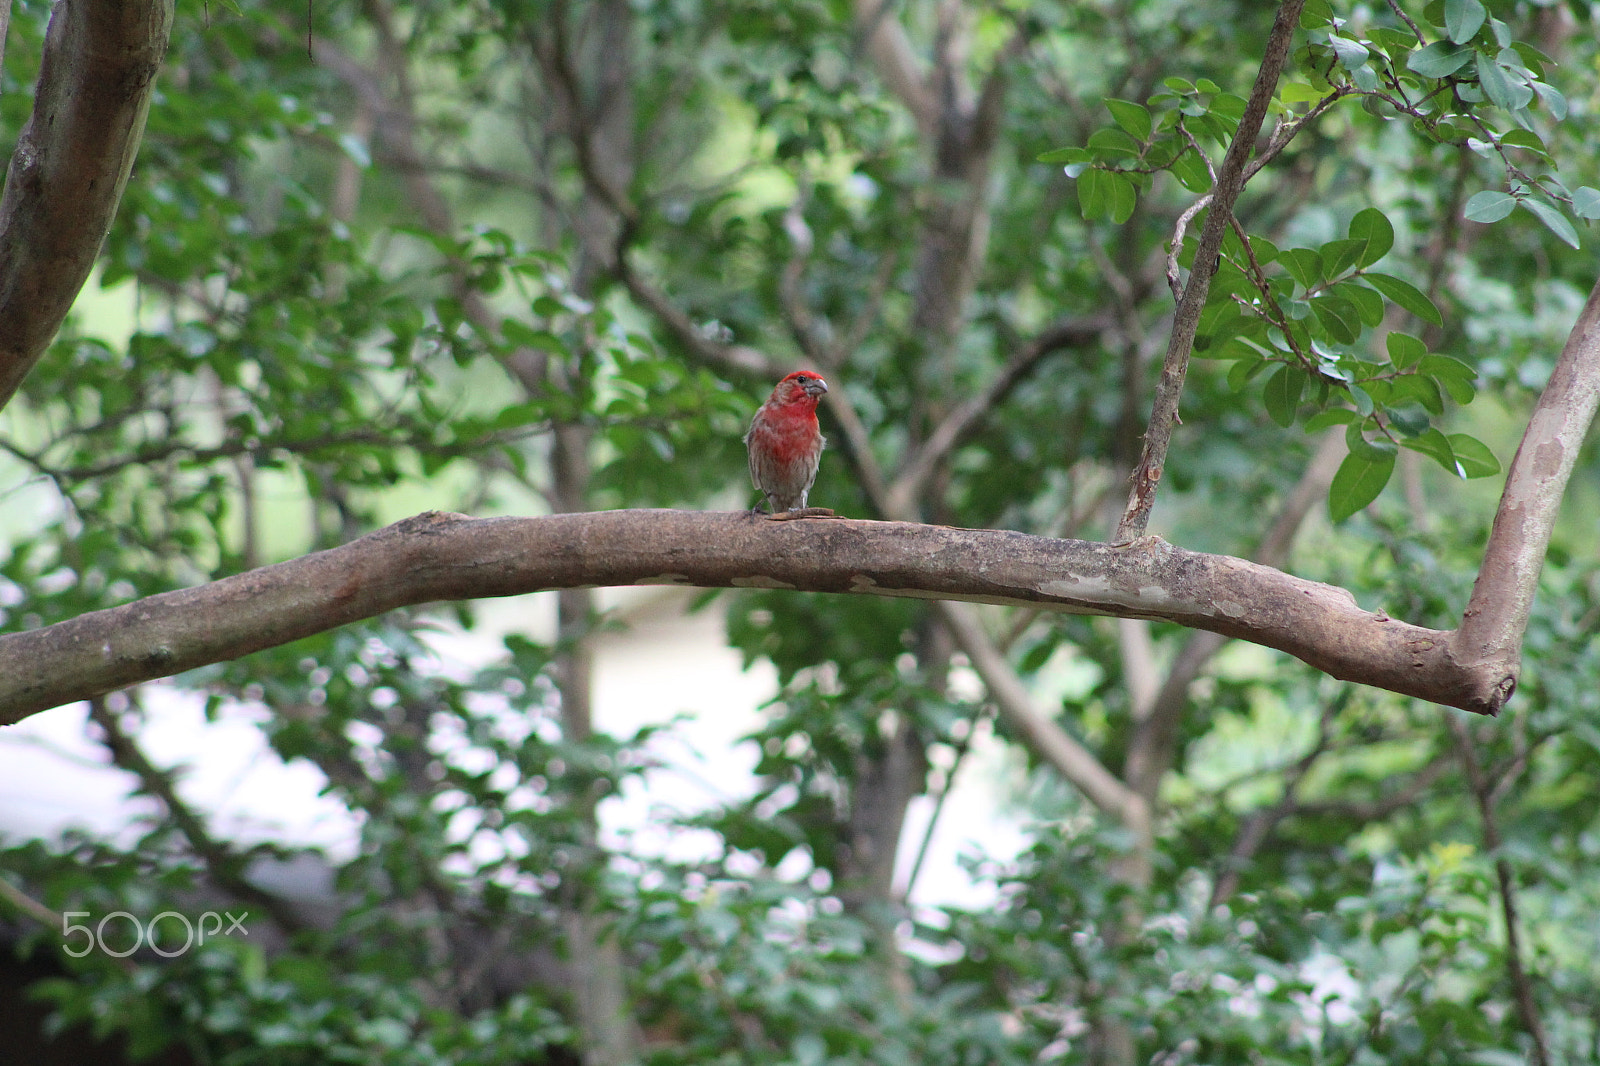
1155 740
1492 626
436 556
1230 183
71 164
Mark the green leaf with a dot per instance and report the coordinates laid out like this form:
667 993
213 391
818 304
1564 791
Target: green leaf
1405 295
1373 228
1361 477
1368 304
1297 93
1458 379
1339 256
1111 145
1422 389
1552 217
1531 57
1436 446
1352 54
1552 99
1065 155
1282 394
1359 397
1339 317
1586 202
1524 139
1439 60
1191 172
522 335
1474 456
1463 19
1303 264
1266 251
1394 42
1501 86
1094 194
1243 371
1333 416
1409 419
1134 118
1489 206
1124 197
1316 14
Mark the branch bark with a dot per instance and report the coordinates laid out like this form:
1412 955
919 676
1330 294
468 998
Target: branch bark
1230 183
70 166
1155 739
1490 637
436 556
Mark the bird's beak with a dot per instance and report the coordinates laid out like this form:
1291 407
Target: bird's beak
816 387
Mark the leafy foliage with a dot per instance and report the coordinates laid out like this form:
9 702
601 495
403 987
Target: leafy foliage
288 345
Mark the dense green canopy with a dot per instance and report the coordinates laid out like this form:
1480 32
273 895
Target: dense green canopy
519 257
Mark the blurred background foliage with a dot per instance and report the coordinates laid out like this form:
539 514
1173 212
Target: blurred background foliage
513 256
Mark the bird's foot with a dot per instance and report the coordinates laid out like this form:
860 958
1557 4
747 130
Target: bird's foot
804 512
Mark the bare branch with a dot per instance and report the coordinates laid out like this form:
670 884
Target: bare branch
1230 183
28 905
223 863
436 556
858 446
1492 626
960 422
896 64
70 166
1371 810
396 125
1259 826
1044 738
739 360
1521 985
5 26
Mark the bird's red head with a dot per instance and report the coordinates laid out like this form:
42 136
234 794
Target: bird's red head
803 386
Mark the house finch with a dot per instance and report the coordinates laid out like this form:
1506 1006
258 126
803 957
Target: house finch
786 444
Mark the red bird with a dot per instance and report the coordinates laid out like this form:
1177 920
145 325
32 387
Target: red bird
785 442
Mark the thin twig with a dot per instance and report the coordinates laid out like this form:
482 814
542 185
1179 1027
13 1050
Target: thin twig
1259 826
960 421
1521 986
1048 741
1186 322
962 747
223 863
